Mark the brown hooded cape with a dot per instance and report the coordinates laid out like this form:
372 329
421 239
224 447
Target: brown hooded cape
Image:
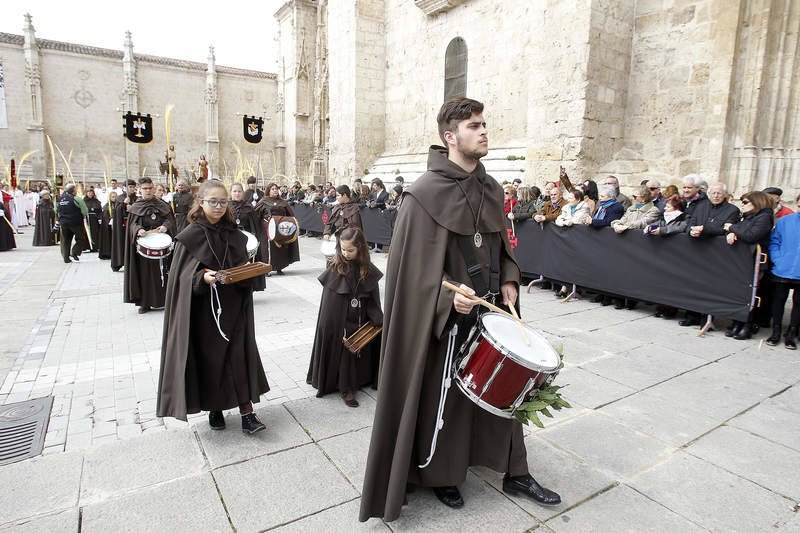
279 256
199 369
143 285
45 220
182 203
343 216
418 315
118 225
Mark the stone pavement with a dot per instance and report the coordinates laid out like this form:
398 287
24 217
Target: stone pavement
669 432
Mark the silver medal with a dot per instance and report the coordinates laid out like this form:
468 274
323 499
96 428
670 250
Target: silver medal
354 302
478 239
237 221
153 216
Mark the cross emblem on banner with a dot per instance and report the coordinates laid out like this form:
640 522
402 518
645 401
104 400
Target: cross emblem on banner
139 125
512 239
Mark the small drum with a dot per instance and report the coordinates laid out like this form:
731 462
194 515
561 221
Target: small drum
154 245
497 370
282 230
252 243
328 248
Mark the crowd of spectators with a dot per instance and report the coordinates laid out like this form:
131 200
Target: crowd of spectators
697 210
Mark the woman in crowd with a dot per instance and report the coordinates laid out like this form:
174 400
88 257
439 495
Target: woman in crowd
350 299
106 229
576 210
330 197
674 218
396 197
7 241
589 188
209 356
363 194
251 220
671 190
509 200
345 214
608 209
754 228
94 218
280 255
784 251
639 215
43 234
526 204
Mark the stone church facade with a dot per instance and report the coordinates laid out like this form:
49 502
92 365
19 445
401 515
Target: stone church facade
634 88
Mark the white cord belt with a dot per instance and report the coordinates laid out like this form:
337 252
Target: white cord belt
216 314
445 386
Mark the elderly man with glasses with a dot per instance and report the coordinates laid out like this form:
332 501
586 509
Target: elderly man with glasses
621 198
655 191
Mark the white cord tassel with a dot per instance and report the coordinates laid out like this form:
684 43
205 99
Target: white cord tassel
161 269
218 313
446 380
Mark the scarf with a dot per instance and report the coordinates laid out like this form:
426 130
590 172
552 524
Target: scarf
669 216
601 210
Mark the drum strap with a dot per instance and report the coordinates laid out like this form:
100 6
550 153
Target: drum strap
475 269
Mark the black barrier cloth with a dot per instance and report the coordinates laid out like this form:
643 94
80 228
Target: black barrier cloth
704 275
378 223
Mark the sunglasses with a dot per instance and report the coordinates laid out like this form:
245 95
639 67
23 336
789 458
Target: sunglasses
654 188
507 193
745 202
216 203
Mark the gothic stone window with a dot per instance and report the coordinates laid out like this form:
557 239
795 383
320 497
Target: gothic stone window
455 69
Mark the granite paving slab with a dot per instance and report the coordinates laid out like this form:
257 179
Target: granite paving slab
186 504
66 522
712 497
122 466
338 519
276 489
349 453
773 363
329 416
789 399
590 390
772 421
231 445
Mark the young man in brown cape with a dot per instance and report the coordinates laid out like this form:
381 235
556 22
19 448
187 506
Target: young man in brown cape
119 223
145 279
453 206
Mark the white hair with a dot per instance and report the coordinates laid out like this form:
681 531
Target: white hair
655 183
608 190
724 187
694 179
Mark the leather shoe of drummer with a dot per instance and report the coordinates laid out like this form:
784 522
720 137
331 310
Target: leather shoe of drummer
449 496
529 487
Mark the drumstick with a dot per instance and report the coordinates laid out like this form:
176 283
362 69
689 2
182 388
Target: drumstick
519 324
448 285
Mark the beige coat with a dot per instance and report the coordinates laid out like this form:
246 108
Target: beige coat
576 217
638 218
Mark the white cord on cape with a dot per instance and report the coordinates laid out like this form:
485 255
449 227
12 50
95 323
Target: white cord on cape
161 269
448 363
218 313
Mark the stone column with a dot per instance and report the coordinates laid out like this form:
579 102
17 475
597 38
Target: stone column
130 102
212 115
36 133
320 121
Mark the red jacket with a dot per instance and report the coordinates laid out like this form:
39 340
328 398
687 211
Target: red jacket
510 203
782 212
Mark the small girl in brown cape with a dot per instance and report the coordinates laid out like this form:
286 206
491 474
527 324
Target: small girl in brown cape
350 298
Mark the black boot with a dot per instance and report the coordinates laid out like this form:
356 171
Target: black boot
744 333
216 420
790 341
251 424
734 329
775 338
450 496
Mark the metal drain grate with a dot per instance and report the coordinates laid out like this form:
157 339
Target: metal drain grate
23 426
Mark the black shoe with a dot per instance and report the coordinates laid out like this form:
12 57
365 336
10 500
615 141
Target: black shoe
449 496
619 304
279 272
75 258
606 301
734 329
529 487
631 305
744 333
216 420
251 424
546 285
790 341
686 322
68 260
143 310
659 314
115 269
775 338
754 328
597 299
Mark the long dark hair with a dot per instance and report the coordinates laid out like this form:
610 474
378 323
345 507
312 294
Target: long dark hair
196 212
342 265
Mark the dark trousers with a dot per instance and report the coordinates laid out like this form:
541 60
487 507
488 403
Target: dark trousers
779 296
81 242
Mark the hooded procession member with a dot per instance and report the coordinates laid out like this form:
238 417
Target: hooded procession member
280 255
182 202
453 214
345 214
7 241
94 217
350 299
44 234
209 356
120 222
145 278
251 219
106 227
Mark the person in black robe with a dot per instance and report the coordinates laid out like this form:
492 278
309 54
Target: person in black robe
345 214
7 241
209 363
182 201
145 278
106 227
252 195
43 234
251 219
94 218
119 224
350 278
283 255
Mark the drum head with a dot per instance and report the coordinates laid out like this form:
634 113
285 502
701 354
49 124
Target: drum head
272 229
287 228
156 241
540 355
328 248
252 242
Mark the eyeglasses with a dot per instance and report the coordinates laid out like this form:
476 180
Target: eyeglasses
745 202
216 203
507 193
654 188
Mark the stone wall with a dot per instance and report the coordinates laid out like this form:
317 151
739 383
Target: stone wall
81 92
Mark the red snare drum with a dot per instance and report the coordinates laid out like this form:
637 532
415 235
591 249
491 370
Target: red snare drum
497 370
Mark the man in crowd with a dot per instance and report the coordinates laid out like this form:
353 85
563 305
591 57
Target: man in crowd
692 194
551 208
710 215
775 194
399 180
451 217
517 183
71 211
378 197
658 199
621 198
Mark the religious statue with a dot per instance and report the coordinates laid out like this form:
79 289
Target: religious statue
203 165
170 162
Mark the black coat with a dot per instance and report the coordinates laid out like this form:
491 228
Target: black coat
613 212
7 241
754 228
104 244
713 217
94 218
44 235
